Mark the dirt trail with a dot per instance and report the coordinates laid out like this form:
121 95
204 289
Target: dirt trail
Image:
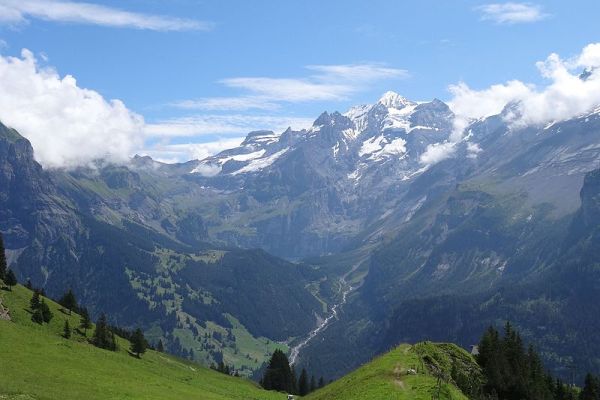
398 372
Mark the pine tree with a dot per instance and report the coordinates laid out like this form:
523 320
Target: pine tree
113 342
67 330
46 313
160 347
591 388
278 375
29 285
512 372
85 323
313 384
138 343
34 303
10 279
321 382
3 264
303 383
37 316
103 337
68 301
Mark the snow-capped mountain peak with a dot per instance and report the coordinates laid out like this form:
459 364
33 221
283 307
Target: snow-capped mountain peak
394 100
393 130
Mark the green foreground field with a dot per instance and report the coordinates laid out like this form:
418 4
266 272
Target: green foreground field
387 377
36 362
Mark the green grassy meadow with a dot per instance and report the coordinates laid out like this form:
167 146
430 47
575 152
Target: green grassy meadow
36 362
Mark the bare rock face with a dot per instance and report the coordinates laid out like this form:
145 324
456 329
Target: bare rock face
4 312
35 219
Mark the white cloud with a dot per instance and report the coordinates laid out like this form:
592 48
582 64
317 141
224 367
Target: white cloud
291 90
18 11
473 150
589 57
227 103
566 95
66 124
223 125
326 83
70 126
190 151
511 13
468 104
434 153
358 72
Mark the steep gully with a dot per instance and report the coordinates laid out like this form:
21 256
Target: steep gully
345 289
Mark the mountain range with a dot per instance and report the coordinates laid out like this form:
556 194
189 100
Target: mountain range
387 214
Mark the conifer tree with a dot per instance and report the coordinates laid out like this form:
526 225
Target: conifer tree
29 285
303 385
221 367
34 303
46 313
103 337
37 316
591 388
10 279
68 301
3 264
278 375
160 347
84 323
67 330
313 384
513 373
113 342
321 382
138 343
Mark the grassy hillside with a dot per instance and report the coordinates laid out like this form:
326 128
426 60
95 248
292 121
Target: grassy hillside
388 377
38 363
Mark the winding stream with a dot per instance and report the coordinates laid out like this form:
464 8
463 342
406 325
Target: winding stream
321 327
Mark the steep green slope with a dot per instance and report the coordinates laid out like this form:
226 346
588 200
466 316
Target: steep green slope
407 372
38 363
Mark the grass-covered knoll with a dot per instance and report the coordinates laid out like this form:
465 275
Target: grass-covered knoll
407 372
38 363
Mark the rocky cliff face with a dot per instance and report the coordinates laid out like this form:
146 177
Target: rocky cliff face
38 224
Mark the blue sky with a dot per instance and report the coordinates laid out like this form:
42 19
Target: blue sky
173 62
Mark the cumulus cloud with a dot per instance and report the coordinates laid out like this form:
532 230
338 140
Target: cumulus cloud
66 124
468 104
18 12
325 83
70 126
511 13
566 95
438 152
